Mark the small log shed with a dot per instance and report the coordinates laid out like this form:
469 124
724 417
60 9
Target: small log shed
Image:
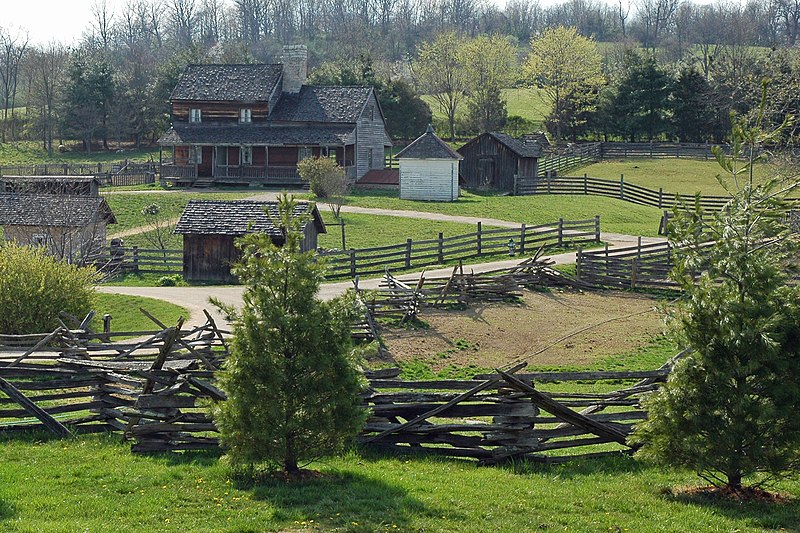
491 160
429 169
210 227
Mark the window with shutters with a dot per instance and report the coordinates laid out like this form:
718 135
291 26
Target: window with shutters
195 115
245 115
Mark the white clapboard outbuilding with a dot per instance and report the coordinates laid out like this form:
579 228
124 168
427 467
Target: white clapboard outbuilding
429 169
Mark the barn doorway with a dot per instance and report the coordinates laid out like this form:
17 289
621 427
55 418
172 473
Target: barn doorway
486 172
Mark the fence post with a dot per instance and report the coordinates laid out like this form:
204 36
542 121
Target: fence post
597 228
522 231
409 242
585 183
106 323
578 260
136 258
606 261
639 249
341 223
549 177
660 197
352 262
560 232
441 247
622 186
478 242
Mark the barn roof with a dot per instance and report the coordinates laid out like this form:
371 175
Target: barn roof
523 148
252 134
322 104
428 146
45 210
245 83
238 217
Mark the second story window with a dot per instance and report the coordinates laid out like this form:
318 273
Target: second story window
245 115
195 115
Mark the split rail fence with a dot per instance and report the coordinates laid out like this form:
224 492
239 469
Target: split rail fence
418 254
569 158
116 174
77 381
619 189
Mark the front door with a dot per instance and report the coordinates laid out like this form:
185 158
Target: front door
220 161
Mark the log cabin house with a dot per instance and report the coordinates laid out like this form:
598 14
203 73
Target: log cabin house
492 159
252 124
210 227
72 228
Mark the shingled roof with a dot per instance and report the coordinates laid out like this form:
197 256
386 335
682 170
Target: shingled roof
251 134
523 148
44 210
245 83
428 146
237 217
322 104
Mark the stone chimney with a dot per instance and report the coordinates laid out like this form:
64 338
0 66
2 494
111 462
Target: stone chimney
295 67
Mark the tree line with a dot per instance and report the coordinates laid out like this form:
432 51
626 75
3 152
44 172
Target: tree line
113 84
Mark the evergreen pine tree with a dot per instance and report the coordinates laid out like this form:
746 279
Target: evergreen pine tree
291 380
729 410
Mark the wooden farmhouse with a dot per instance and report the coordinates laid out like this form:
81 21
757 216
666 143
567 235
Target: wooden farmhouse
210 227
428 169
251 124
492 159
69 227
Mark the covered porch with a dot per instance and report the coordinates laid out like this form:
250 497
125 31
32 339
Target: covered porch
257 165
255 155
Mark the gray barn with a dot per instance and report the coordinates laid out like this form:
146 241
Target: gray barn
210 227
492 159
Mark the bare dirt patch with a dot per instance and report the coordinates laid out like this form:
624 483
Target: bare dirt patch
496 334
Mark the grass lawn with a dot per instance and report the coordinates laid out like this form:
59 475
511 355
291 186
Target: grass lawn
685 176
127 207
32 153
125 314
615 215
93 483
528 103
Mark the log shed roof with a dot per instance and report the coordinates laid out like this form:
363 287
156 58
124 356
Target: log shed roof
238 217
53 210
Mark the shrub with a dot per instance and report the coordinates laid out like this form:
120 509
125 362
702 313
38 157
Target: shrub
35 287
326 179
170 281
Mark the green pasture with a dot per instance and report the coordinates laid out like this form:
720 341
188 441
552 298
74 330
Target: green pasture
125 314
32 153
615 215
684 176
528 103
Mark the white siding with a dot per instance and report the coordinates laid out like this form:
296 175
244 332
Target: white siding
429 179
371 133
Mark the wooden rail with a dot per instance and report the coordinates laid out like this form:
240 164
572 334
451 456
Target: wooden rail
570 158
115 174
619 189
482 242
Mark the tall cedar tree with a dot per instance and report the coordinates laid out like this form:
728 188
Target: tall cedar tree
291 380
729 409
693 115
642 99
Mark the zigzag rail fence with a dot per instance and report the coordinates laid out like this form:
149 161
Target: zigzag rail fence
156 392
